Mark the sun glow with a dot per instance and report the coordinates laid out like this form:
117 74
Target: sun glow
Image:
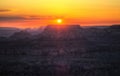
59 21
36 13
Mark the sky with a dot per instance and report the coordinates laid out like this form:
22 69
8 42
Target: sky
36 13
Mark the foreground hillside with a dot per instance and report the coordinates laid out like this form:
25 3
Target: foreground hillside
66 51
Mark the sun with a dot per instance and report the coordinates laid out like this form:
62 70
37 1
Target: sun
59 21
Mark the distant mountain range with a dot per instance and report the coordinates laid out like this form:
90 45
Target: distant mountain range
62 32
9 31
70 31
62 37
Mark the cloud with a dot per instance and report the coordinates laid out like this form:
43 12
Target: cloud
11 18
17 18
4 10
25 18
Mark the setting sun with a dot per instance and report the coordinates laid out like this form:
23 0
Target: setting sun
38 13
59 21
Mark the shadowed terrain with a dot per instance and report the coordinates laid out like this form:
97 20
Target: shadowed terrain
61 51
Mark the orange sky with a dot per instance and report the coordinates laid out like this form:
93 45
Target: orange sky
34 13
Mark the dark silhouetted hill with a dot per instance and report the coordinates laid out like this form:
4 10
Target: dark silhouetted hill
8 31
21 35
61 51
35 31
115 27
59 32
